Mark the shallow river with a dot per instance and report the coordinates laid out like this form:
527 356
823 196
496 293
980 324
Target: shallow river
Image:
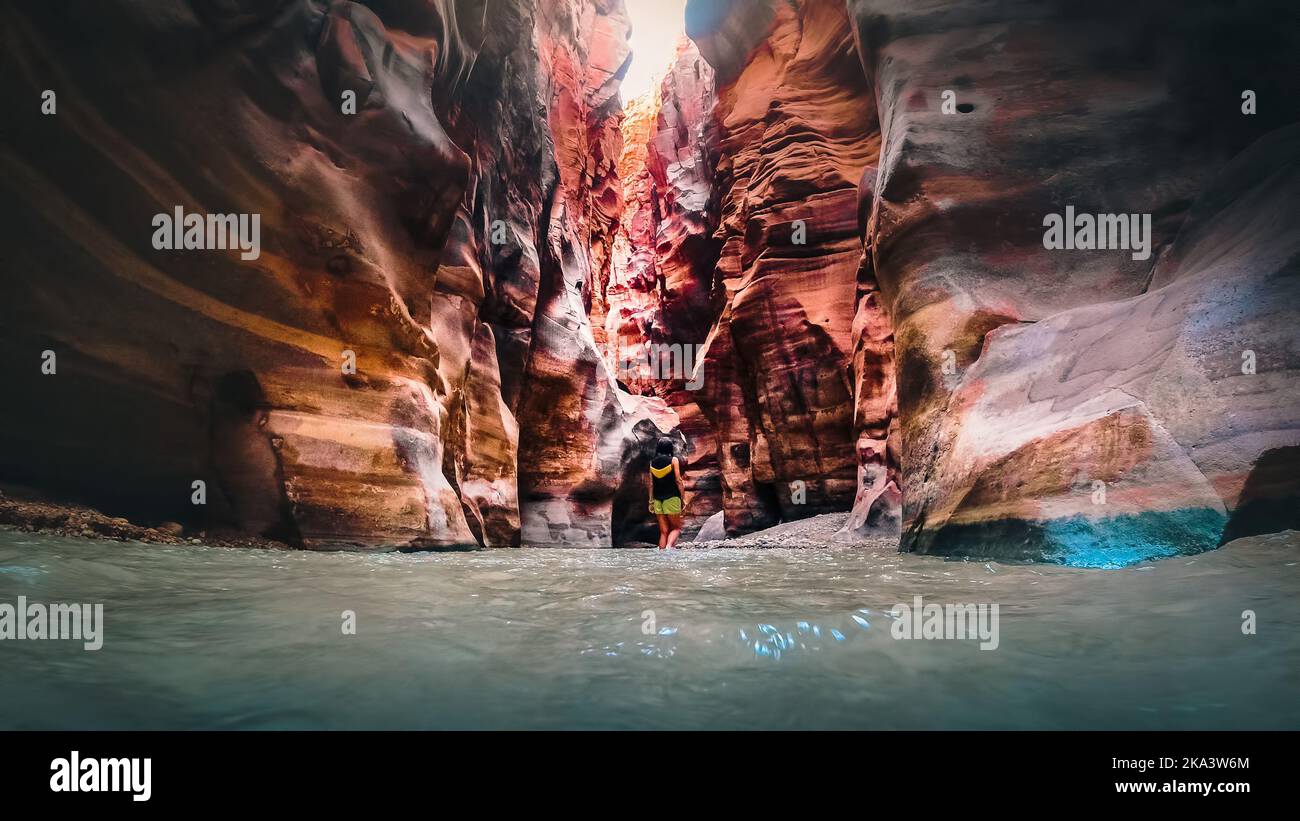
222 638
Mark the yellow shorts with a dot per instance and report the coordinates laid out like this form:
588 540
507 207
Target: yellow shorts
668 507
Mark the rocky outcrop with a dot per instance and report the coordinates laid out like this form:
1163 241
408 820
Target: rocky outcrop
991 117
435 197
796 129
727 32
659 289
1084 406
742 244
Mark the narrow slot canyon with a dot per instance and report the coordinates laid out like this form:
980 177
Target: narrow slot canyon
648 365
811 255
740 256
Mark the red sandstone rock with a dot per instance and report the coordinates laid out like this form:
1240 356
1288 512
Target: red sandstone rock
658 292
177 366
796 130
584 442
1026 375
1172 426
480 240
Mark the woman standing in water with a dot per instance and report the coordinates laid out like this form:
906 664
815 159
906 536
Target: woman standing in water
667 493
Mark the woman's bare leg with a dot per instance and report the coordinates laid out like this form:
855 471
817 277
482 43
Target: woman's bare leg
663 530
674 529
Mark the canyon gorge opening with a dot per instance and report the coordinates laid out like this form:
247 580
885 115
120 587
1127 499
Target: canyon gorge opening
832 210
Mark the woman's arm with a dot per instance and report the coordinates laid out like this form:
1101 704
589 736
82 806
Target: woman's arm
681 483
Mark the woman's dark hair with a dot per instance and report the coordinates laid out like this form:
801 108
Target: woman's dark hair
664 448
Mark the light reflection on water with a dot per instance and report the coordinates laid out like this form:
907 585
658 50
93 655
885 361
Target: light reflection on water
767 640
208 637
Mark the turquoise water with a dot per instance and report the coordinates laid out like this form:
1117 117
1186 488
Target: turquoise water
217 638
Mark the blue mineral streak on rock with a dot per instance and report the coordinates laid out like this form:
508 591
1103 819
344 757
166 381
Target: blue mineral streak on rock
1120 541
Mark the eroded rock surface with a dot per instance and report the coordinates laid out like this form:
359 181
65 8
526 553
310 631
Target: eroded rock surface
1082 406
658 294
584 440
831 221
796 130
376 248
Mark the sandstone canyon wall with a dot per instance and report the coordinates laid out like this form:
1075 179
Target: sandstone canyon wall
658 295
797 366
742 244
583 440
830 216
1087 406
471 356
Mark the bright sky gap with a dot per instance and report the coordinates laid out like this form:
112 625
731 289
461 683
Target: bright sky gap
657 25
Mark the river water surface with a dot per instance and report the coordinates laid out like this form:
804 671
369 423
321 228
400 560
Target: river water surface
203 637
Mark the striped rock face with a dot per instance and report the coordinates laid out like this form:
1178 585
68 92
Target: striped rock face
1014 278
436 194
658 297
795 131
584 440
1101 405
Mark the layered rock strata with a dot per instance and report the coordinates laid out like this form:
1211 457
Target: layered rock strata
1018 277
435 194
1085 406
798 432
658 295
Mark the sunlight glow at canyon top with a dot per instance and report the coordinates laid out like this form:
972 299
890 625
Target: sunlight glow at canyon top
657 25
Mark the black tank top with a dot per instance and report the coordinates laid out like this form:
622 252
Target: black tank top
665 487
